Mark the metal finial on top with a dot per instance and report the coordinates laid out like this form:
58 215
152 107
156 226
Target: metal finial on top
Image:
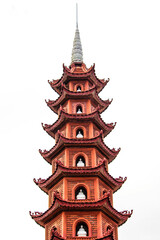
77 54
76 15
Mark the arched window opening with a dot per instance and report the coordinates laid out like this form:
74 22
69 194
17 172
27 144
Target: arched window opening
80 161
81 229
79 133
81 193
79 110
79 89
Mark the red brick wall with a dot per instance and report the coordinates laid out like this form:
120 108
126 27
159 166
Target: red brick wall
99 156
91 217
74 125
59 188
60 157
65 106
96 130
93 107
79 83
81 102
102 185
73 182
57 222
74 151
105 222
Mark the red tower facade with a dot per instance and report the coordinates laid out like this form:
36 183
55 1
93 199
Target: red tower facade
80 189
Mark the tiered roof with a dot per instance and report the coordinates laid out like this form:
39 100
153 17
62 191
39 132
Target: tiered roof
67 94
77 71
63 142
60 205
65 117
62 171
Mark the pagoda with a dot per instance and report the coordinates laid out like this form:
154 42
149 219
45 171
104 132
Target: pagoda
80 189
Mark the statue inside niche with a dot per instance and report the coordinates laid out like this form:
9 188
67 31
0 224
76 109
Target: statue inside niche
79 134
80 195
81 232
78 89
79 109
80 163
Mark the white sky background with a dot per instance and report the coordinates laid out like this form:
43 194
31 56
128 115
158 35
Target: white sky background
123 39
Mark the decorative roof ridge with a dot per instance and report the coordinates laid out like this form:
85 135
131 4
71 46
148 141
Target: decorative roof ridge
113 152
78 170
68 73
65 92
123 216
61 165
63 115
67 70
63 112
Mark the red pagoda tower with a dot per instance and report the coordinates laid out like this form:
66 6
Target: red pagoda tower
80 189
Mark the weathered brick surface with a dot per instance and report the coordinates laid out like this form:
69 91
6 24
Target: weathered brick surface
103 186
57 222
80 83
91 217
59 188
74 151
107 221
74 126
99 156
77 102
60 157
96 130
73 182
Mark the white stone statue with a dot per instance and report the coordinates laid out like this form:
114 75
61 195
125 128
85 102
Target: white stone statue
81 232
79 134
80 163
78 89
79 110
80 195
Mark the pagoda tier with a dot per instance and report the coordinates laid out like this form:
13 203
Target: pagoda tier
96 142
67 95
75 72
59 205
62 171
65 118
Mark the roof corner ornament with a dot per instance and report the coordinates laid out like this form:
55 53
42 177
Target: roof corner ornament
77 54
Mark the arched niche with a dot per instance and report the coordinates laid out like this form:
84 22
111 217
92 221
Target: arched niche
76 225
80 161
79 130
81 229
77 87
79 154
79 109
81 193
79 133
77 188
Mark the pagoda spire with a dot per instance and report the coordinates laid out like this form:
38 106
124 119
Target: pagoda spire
77 54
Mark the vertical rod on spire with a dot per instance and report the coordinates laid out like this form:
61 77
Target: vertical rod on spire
76 15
